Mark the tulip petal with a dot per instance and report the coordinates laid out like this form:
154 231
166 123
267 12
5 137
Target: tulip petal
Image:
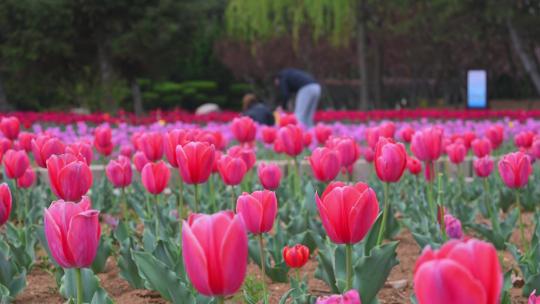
55 240
234 256
195 261
83 237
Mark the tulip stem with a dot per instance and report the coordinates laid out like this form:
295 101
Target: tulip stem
180 200
297 181
263 263
123 204
385 215
441 205
348 264
78 278
220 300
430 192
298 275
212 194
521 227
196 198
233 200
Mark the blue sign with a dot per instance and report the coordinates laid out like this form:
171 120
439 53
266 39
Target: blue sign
477 89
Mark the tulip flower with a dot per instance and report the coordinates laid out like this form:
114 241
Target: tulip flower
246 154
151 144
459 272
10 127
268 134
325 163
171 141
126 150
102 140
155 177
119 172
369 154
406 133
296 256
231 170
307 139
533 299
140 160
414 165
483 166
258 210
81 148
27 180
244 129
495 134
456 152
322 133
287 119
72 231
70 177
350 297
347 148
347 214
453 227
291 140
217 267
5 203
43 146
195 162
390 160
524 139
25 140
468 137
515 169
15 163
481 147
269 175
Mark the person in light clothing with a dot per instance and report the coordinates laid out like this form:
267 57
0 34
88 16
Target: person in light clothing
308 91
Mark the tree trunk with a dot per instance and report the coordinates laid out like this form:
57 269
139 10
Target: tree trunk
4 104
526 59
362 60
377 75
137 97
106 74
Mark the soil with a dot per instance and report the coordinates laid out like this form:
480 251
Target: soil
41 287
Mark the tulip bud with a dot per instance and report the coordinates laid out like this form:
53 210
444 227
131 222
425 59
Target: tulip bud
296 256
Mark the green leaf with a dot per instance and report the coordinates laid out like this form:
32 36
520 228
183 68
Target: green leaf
158 277
68 287
103 253
128 269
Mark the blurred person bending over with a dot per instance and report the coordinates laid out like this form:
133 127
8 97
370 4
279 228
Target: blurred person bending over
257 110
307 90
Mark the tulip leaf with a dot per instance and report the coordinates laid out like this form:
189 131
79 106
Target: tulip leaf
158 277
371 272
68 287
103 253
285 296
276 270
331 267
128 269
12 276
101 297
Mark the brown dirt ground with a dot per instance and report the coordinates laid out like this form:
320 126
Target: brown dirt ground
41 287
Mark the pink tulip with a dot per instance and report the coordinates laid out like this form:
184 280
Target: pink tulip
369 154
347 212
244 129
151 144
461 272
390 160
70 178
414 165
72 231
269 175
347 148
322 133
524 139
291 140
307 139
483 166
5 144
140 160
287 119
27 180
126 150
258 210
15 163
10 127
495 133
155 177
215 252
43 146
481 147
325 163
195 161
102 140
25 140
406 133
246 154
119 172
268 134
453 227
350 297
231 170
533 299
426 145
5 203
171 141
81 148
456 152
515 169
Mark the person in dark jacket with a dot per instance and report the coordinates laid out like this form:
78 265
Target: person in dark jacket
257 110
308 91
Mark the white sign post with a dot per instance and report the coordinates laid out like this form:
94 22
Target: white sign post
477 89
